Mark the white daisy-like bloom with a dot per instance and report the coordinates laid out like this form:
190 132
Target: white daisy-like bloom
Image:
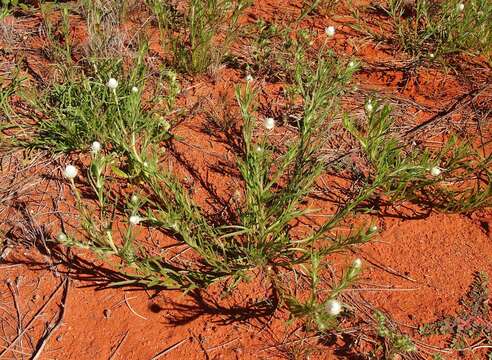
134 198
249 78
435 171
369 107
134 89
330 31
96 147
357 264
70 172
258 149
333 307
432 56
461 7
145 164
373 228
61 237
112 83
135 219
269 123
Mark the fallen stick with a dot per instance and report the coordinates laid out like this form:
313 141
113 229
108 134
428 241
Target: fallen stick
52 327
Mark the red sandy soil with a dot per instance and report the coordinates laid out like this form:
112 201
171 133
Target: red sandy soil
417 270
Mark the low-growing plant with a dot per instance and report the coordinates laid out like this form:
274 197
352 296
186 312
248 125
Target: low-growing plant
395 343
472 323
196 33
456 178
58 47
260 234
94 106
428 29
104 20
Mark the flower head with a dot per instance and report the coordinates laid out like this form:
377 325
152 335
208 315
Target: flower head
112 83
96 147
134 199
460 7
357 264
249 78
135 219
134 89
70 172
435 171
61 237
333 307
269 123
432 55
373 228
369 107
330 31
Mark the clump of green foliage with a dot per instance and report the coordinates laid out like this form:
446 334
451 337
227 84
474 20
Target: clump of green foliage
403 173
429 29
84 109
395 343
200 33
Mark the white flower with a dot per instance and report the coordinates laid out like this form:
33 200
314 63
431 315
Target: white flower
333 307
435 171
145 164
135 219
134 198
431 55
61 237
373 228
70 172
461 7
369 107
249 78
269 123
330 31
259 149
96 147
112 83
351 64
357 264
134 89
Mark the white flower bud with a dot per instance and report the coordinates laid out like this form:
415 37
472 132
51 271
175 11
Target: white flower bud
70 172
249 78
333 307
357 264
373 229
61 237
134 89
96 147
435 171
269 123
112 83
135 219
330 31
369 107
134 198
461 7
